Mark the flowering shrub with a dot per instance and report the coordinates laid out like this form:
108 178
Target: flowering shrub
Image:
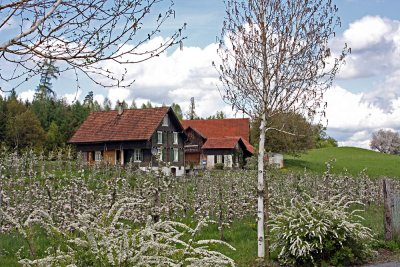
312 231
105 241
62 191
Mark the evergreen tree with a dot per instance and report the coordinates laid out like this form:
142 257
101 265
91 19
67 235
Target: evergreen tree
48 71
177 110
88 102
147 105
133 105
106 104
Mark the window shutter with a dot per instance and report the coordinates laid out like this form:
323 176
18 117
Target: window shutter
172 155
215 158
163 154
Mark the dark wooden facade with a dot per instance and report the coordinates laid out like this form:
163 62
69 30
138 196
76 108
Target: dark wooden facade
123 152
193 153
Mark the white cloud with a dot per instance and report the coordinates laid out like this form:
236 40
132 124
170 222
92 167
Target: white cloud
384 93
174 77
358 139
118 94
375 47
27 95
99 99
71 98
351 120
375 53
367 31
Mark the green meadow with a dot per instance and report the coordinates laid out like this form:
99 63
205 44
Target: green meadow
345 159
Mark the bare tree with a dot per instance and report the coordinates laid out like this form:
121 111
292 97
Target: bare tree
386 141
80 35
275 58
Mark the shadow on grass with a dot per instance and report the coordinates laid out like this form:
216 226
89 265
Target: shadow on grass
296 163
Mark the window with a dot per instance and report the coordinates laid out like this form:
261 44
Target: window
97 156
175 138
220 159
227 160
137 155
160 153
85 157
159 137
175 154
165 121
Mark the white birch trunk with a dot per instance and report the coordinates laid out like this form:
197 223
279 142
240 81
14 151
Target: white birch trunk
260 190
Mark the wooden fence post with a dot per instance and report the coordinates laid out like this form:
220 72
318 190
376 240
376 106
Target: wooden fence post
387 202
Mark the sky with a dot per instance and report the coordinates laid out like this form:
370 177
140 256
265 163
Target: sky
364 98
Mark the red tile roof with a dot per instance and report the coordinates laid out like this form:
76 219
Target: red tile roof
220 128
222 133
133 124
248 146
221 142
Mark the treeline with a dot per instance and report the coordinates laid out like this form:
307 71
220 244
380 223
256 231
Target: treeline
44 123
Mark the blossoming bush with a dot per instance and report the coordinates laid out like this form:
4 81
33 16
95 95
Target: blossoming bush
106 241
312 231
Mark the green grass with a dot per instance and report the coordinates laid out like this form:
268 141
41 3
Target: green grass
350 159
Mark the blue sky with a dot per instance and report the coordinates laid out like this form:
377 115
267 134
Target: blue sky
365 96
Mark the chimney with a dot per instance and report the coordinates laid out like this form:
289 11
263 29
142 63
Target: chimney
120 108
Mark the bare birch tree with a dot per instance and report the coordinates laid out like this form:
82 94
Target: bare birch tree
80 35
275 58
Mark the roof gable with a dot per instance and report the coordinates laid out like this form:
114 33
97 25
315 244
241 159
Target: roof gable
227 143
131 125
222 133
220 127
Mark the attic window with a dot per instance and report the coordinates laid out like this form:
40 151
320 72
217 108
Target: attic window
165 121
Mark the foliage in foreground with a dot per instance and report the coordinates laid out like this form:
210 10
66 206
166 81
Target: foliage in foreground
67 189
313 231
106 241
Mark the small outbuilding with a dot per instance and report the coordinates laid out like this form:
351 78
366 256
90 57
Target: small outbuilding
219 141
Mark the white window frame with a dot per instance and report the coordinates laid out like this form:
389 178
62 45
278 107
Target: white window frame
159 137
97 156
176 155
165 121
137 155
175 138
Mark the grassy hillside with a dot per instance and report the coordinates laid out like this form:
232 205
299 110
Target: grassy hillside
353 159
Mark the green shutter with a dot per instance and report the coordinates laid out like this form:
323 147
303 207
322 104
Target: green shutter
172 154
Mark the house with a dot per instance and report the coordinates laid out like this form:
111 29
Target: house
223 141
134 135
